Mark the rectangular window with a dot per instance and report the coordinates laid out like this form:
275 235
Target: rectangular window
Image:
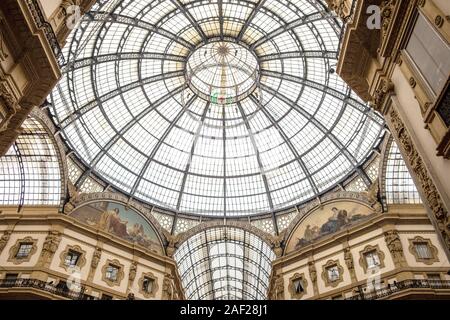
372 259
298 286
72 258
333 273
24 250
423 250
429 52
112 272
106 297
147 285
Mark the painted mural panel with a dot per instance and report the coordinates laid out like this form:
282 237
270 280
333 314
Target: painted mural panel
327 220
122 222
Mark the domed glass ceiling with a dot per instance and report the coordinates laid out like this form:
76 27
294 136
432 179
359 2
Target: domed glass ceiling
212 107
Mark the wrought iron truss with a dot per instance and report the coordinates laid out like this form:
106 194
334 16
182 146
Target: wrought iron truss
125 107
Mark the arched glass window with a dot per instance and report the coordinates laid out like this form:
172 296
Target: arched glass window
399 186
30 170
225 263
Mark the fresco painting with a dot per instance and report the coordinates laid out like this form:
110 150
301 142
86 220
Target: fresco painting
330 219
122 222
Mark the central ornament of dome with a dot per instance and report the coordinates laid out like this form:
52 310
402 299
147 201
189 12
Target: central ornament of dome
222 72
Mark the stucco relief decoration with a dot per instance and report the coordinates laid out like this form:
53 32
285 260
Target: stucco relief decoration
168 289
278 288
430 192
49 247
340 7
120 221
96 257
348 258
387 10
132 273
395 247
328 220
4 240
373 196
385 87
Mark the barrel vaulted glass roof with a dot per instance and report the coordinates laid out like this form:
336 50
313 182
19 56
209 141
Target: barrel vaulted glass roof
225 263
212 107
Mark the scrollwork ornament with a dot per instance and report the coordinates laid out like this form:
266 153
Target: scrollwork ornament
432 197
385 87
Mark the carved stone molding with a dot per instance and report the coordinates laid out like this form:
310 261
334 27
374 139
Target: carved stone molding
395 247
9 100
385 87
373 194
49 248
96 258
278 288
430 193
132 273
169 292
313 276
341 7
4 239
348 257
393 13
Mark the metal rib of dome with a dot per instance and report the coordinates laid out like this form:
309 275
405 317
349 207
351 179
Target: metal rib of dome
218 108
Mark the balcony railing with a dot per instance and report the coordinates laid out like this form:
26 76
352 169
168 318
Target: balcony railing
48 30
60 289
401 286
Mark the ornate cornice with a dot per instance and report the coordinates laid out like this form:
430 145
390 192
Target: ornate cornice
384 89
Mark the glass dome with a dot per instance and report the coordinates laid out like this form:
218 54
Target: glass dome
217 108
